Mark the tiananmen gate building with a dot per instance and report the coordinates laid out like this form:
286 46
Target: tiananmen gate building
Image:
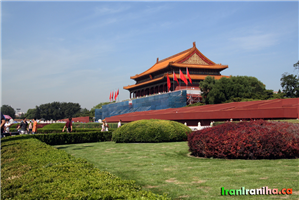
154 80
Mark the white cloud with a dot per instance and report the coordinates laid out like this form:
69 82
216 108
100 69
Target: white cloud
105 10
255 42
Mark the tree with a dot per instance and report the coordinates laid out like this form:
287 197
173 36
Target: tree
290 85
8 110
296 65
31 113
206 86
220 91
57 110
99 106
82 113
235 88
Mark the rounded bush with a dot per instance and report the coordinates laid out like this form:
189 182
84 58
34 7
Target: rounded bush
153 130
247 140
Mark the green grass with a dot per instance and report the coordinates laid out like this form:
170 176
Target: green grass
31 169
166 167
288 120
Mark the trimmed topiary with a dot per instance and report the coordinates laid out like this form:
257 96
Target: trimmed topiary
31 169
153 130
247 140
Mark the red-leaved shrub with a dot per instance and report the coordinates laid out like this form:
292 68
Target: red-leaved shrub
247 140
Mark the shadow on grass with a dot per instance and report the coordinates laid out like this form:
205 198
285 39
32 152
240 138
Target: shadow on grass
78 148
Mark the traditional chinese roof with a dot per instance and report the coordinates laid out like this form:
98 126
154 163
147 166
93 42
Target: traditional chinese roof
192 58
193 77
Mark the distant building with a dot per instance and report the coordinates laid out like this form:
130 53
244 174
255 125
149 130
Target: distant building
19 114
152 84
154 80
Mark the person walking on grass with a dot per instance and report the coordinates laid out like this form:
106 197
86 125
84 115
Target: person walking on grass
69 126
34 129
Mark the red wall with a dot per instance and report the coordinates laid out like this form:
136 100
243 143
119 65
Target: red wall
77 119
266 109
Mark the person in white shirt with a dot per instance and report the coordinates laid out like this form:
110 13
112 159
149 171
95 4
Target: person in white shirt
7 125
119 124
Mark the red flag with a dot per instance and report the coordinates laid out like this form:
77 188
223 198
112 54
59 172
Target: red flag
189 76
116 94
168 82
174 78
183 78
110 96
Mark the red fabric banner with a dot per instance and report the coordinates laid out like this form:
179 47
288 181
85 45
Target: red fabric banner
168 82
174 78
116 94
189 76
183 78
110 96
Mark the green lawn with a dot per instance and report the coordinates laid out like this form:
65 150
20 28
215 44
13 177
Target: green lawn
287 120
167 168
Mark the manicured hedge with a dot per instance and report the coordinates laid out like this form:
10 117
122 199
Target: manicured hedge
70 138
58 130
92 125
31 169
247 140
54 126
152 130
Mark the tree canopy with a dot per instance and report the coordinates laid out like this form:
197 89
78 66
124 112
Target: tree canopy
99 106
234 88
8 110
54 110
290 85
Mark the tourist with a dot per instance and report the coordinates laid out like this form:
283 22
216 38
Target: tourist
2 123
69 126
7 125
119 124
23 125
34 129
30 127
105 126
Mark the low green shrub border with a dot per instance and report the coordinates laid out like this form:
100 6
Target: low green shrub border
92 125
153 130
70 138
54 126
75 130
31 169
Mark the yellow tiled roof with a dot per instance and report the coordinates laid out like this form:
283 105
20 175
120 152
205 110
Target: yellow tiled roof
164 63
216 66
176 60
146 82
198 77
193 77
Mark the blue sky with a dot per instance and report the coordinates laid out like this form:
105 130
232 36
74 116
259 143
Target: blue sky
80 51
